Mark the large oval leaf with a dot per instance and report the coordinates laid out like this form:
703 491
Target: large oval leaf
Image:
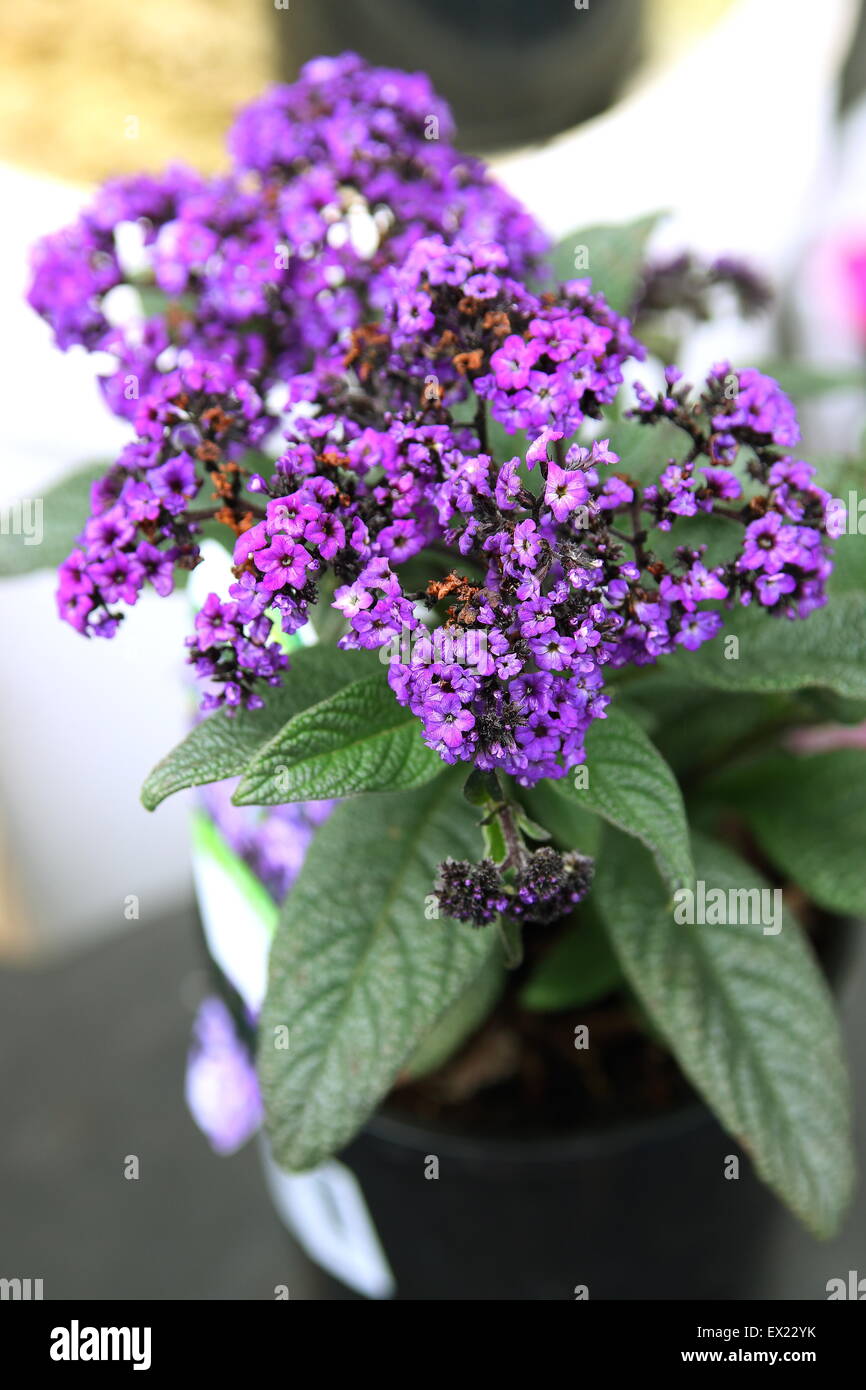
631 786
359 972
357 740
750 1020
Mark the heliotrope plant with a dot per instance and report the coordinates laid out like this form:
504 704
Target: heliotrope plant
559 595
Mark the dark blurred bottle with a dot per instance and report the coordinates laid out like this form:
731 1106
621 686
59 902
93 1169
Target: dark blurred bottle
513 71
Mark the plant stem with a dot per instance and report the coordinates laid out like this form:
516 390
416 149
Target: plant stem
481 426
517 853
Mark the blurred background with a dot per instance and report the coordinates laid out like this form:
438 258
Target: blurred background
745 119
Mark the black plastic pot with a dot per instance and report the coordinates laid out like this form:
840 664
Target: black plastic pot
640 1211
512 72
644 1211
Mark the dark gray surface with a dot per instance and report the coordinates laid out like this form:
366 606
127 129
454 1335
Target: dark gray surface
91 1070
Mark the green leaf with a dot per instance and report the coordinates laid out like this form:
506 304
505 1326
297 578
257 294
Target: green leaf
358 974
482 788
631 786
222 745
849 557
493 837
356 740
827 649
750 1020
808 814
571 825
531 828
579 968
64 508
696 728
644 451
460 1020
611 255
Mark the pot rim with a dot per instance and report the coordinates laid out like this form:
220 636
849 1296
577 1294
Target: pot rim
597 1142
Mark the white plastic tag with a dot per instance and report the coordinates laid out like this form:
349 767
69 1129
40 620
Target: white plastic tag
326 1213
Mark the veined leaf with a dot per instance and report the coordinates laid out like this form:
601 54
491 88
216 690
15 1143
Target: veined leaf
357 740
750 1019
360 969
222 745
628 782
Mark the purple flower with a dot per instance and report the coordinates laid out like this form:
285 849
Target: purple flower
526 543
284 561
769 544
537 452
222 1091
564 491
157 566
513 362
174 483
771 587
698 628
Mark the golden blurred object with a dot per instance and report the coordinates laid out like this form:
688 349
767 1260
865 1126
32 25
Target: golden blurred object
90 87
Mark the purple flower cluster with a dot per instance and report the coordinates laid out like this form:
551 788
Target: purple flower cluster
389 499
471 892
272 841
784 562
222 1090
686 285
333 179
546 886
549 885
550 361
141 528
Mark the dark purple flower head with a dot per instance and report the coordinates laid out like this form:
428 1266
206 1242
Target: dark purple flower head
471 893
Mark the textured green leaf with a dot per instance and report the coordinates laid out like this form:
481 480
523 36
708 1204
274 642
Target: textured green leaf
809 816
632 787
572 825
644 451
356 740
827 649
849 556
460 1020
222 745
65 509
580 968
358 974
749 1018
611 255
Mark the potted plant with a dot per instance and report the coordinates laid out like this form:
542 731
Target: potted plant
542 619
